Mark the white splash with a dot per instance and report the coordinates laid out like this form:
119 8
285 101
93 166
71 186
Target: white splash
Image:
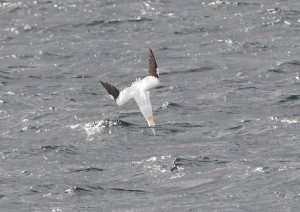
92 128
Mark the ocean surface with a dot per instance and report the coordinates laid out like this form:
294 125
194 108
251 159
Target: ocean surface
227 109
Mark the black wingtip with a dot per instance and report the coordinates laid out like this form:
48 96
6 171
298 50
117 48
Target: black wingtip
152 64
111 90
104 84
151 52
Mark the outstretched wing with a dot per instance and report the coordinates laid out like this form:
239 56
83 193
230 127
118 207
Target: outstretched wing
152 65
112 90
120 97
148 83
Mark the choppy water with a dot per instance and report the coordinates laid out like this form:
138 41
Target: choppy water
227 109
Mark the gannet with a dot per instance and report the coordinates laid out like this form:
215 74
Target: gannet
139 91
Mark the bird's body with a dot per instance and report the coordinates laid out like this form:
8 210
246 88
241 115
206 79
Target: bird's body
139 91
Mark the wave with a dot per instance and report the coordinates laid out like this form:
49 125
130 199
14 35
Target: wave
188 71
66 149
290 98
88 169
90 189
286 67
194 161
105 23
128 190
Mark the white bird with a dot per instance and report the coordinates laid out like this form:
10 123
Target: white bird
138 91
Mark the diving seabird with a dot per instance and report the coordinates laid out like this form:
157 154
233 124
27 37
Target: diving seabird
139 91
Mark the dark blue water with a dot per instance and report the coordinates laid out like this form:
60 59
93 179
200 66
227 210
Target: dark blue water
227 108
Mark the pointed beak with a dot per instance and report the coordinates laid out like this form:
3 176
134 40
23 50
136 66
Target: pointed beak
150 121
153 130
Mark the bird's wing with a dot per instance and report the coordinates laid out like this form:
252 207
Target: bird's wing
152 65
126 95
148 83
111 90
120 97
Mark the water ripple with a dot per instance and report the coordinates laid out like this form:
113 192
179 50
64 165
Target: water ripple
88 169
105 23
286 67
128 190
195 161
60 149
290 98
